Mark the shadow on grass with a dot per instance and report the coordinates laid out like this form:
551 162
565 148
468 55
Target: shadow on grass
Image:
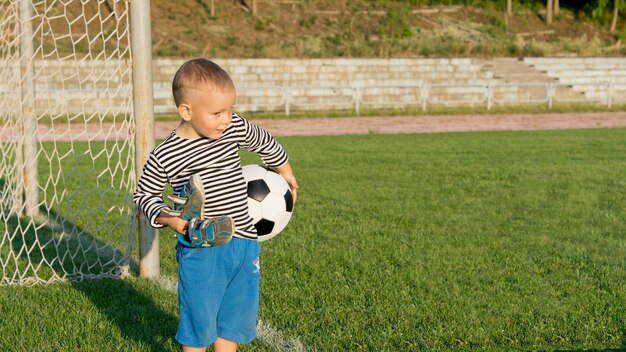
134 313
53 248
68 250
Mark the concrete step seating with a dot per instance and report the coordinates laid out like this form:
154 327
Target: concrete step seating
589 76
332 77
576 62
599 96
592 80
586 73
330 83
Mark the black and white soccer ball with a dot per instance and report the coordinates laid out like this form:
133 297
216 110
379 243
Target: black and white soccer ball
270 201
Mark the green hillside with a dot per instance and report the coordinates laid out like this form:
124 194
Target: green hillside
362 28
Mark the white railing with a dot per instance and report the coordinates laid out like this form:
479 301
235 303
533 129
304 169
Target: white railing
298 98
425 96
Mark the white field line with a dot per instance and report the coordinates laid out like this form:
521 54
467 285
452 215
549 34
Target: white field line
265 332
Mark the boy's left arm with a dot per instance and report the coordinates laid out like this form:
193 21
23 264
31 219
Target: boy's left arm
258 140
287 173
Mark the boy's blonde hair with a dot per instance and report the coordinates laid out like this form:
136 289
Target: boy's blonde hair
196 73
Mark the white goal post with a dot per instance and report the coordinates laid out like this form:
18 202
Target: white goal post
76 127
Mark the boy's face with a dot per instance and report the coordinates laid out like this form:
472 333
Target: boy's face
208 112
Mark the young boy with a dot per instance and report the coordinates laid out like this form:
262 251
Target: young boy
218 286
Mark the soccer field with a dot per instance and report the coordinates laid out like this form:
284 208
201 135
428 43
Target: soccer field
495 241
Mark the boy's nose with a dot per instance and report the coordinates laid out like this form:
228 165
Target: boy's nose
226 118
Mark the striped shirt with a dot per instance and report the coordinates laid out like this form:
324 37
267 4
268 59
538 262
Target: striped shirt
217 162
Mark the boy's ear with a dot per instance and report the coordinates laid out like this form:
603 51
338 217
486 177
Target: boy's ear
184 110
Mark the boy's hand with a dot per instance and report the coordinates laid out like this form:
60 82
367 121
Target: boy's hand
286 172
175 223
293 184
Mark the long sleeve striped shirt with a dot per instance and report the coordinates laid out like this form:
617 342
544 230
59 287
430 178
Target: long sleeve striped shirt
218 164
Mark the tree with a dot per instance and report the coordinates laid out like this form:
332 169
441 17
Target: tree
549 11
557 7
508 14
602 7
617 5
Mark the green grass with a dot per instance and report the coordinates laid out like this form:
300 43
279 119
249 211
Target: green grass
432 110
491 241
412 111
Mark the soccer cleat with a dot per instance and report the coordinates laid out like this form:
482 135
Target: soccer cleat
208 232
189 203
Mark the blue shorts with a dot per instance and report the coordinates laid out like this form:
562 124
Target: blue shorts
218 292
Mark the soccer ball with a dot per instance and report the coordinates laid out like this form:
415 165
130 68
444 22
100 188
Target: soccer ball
270 202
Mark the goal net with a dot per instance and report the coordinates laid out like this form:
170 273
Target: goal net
66 136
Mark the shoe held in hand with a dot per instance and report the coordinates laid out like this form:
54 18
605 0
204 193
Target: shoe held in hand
207 232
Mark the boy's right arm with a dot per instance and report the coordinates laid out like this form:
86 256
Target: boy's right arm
149 196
